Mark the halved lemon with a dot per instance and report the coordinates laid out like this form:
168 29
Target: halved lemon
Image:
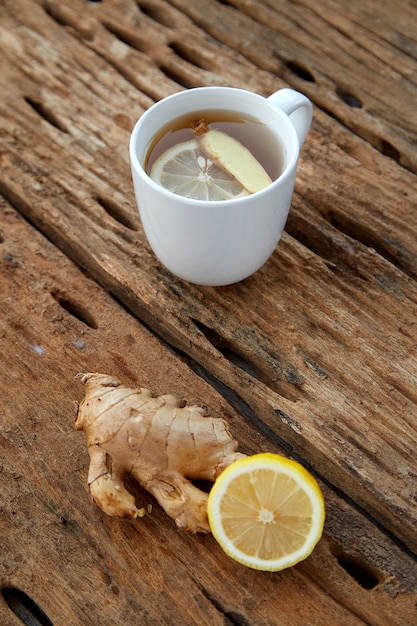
184 169
266 512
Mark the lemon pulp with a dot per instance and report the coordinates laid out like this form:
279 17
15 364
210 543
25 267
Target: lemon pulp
185 170
266 512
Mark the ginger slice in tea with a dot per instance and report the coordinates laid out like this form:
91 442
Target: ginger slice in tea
235 158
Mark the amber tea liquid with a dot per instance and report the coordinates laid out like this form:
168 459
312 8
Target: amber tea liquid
264 144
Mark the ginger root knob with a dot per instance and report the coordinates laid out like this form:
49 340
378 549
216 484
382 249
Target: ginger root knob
160 442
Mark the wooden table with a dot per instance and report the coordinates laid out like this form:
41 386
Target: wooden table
314 356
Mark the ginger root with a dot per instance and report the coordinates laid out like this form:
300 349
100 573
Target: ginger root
161 443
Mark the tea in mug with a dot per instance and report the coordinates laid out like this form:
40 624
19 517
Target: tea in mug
215 155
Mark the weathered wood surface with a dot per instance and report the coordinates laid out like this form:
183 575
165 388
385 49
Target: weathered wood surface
316 351
82 567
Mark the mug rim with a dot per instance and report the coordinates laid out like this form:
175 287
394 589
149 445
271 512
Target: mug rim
139 169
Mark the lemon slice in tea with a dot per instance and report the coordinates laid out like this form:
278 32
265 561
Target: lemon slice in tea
266 512
185 170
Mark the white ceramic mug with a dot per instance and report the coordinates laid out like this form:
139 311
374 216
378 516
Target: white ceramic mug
219 242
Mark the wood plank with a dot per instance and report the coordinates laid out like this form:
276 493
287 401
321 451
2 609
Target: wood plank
290 389
328 327
82 567
330 54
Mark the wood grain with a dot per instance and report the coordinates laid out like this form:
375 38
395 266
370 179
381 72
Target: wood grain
56 322
314 355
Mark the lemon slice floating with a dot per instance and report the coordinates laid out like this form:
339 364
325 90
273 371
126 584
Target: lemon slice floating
266 512
185 170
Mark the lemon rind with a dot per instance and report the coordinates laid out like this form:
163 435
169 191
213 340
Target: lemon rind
286 466
157 174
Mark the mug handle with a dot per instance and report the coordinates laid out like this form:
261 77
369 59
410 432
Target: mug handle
298 108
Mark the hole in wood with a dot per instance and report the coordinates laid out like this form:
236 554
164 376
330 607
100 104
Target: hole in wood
236 359
231 618
235 619
75 309
221 345
25 609
389 150
130 37
301 71
186 53
122 34
359 571
176 75
349 99
116 212
47 114
157 13
73 23
52 11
